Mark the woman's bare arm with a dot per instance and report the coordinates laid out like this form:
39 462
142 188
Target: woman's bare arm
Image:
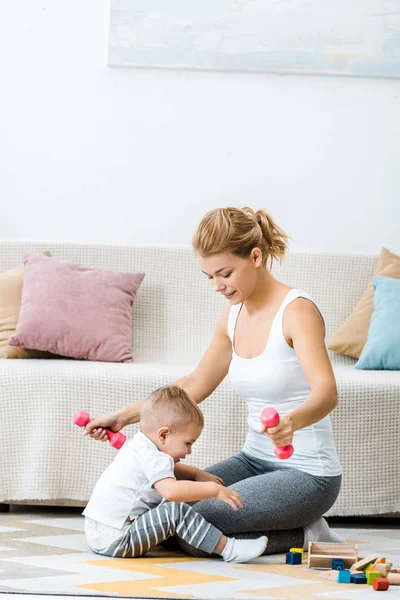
303 324
308 331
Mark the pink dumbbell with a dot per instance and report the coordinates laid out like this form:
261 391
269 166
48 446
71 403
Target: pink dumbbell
270 418
81 418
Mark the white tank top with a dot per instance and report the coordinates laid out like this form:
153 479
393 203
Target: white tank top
275 378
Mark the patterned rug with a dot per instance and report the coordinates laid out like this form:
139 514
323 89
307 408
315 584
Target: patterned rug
48 555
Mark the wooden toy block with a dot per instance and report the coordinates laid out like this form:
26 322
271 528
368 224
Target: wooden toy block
372 565
297 550
293 558
320 554
361 578
383 569
338 564
363 562
380 584
344 576
393 569
371 575
394 578
357 572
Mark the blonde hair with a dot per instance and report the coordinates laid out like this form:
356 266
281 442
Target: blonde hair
170 406
238 231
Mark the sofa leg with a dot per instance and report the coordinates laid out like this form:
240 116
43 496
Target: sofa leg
4 508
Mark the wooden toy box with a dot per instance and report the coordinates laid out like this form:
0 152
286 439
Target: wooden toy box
321 554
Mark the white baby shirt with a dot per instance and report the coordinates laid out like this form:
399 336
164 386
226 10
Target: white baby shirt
125 487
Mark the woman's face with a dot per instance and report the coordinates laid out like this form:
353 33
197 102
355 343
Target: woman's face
232 276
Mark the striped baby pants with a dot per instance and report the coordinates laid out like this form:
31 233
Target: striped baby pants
151 528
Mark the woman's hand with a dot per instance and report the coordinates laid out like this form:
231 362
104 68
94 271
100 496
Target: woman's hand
282 434
95 427
204 476
229 497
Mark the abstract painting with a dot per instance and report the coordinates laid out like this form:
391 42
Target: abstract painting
339 37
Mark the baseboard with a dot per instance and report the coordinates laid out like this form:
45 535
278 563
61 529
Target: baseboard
385 519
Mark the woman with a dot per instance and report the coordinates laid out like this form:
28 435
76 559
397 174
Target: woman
270 340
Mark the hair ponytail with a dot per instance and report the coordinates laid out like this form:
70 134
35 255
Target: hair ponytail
275 237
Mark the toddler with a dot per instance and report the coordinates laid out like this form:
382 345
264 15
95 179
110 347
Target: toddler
142 497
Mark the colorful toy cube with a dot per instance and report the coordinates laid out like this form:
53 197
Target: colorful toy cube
359 578
371 575
344 576
293 558
297 550
338 564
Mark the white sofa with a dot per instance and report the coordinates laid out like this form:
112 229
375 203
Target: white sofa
44 457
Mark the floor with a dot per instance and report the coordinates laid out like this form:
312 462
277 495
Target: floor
45 512
51 512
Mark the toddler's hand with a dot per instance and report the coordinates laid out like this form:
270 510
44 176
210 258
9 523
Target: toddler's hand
204 476
230 497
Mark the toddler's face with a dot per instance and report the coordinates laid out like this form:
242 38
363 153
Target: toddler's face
178 443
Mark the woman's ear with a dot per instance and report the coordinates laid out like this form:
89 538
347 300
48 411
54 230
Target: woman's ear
162 434
256 257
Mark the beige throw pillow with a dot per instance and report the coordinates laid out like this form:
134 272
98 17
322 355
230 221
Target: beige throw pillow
11 283
352 335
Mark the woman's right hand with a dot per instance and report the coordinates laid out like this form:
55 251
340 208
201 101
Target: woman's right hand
95 427
229 497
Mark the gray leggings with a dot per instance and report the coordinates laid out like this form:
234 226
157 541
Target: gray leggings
278 502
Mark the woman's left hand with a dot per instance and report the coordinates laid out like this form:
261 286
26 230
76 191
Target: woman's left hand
204 476
282 434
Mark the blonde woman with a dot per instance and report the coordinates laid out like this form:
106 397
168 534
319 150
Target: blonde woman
269 340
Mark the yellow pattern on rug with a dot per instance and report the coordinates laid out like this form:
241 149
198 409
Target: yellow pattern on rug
163 577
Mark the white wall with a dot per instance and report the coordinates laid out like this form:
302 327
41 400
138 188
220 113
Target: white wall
89 152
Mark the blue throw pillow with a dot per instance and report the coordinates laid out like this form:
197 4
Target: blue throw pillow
382 350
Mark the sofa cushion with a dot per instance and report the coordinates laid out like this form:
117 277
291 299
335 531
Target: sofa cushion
352 335
11 283
382 350
76 311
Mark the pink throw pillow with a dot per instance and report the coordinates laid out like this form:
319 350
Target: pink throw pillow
75 311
